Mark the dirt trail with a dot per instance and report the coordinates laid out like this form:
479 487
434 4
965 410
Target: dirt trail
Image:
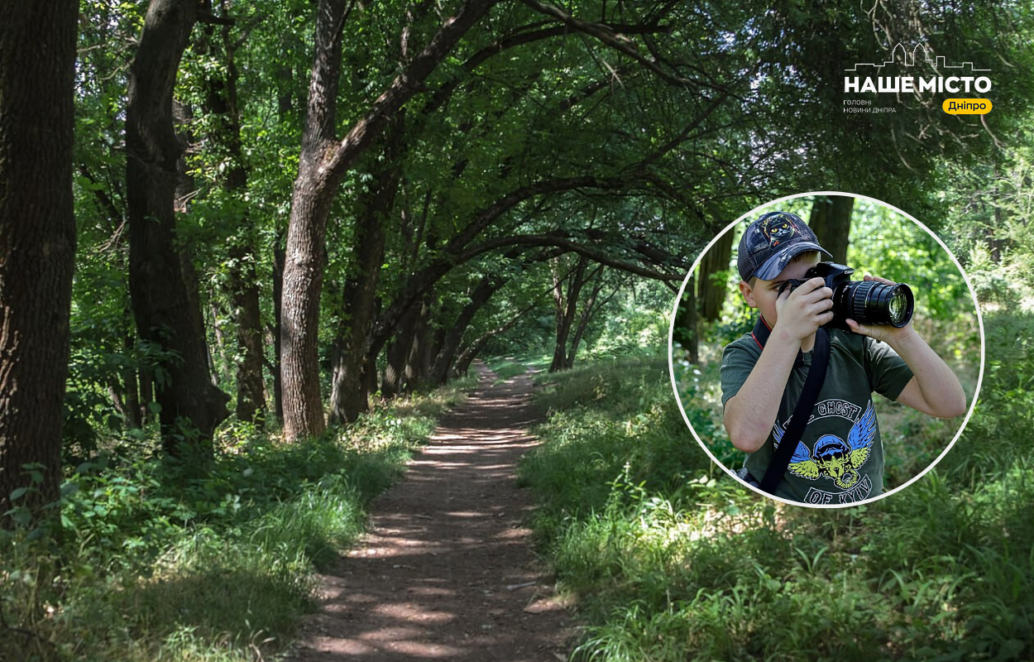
446 571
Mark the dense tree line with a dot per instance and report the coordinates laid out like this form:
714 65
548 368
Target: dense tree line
290 207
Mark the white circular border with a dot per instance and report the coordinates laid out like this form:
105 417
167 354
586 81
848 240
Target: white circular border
671 350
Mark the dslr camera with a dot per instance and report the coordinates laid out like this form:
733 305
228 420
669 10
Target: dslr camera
866 302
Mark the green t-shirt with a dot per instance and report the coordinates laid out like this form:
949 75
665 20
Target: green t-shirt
839 458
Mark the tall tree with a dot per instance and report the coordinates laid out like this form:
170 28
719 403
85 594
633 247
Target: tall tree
323 163
37 239
711 294
565 305
685 331
221 102
593 305
348 397
830 219
166 315
481 294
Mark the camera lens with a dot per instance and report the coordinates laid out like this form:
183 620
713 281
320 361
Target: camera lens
899 308
869 302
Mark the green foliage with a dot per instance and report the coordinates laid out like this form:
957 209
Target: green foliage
674 560
635 323
888 245
506 367
158 560
155 555
602 418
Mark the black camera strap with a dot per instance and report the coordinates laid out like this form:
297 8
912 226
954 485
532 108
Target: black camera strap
802 411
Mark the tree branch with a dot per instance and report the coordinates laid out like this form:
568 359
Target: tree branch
613 39
570 246
407 84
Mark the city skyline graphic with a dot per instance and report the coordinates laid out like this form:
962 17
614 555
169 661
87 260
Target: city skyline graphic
938 63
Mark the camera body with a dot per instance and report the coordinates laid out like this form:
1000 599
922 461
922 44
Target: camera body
866 302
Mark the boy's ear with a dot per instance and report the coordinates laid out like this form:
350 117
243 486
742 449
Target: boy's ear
748 293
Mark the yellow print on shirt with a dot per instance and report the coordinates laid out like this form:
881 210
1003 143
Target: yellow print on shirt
832 457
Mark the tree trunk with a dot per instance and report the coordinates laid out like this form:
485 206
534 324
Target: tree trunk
419 338
37 240
310 205
146 391
322 165
587 313
685 331
370 375
244 294
830 220
279 255
468 354
349 397
162 306
451 344
134 415
431 351
565 307
397 354
711 294
221 101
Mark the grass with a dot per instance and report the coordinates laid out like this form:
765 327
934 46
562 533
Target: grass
158 561
507 367
912 441
672 560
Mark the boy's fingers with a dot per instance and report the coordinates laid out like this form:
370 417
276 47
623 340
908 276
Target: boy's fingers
809 286
857 328
819 293
815 283
878 279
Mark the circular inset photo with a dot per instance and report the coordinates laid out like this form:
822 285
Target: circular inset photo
826 349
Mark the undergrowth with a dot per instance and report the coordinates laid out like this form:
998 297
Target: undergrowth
671 559
157 560
506 367
912 440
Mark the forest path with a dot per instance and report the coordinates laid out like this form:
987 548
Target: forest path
446 570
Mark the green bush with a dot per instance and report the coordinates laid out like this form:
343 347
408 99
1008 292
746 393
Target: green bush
673 560
164 560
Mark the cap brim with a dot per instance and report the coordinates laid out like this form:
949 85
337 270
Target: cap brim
774 265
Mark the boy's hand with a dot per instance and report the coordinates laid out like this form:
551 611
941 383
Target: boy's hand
800 313
887 333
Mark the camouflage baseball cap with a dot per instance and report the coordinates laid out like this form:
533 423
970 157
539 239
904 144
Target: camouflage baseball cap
770 242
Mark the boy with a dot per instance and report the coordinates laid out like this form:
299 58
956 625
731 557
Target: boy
839 458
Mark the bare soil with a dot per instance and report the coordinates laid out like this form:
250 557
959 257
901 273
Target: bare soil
446 570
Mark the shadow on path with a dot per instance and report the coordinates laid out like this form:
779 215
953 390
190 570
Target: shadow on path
446 571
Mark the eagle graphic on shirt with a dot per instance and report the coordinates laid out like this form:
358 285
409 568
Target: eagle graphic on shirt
832 457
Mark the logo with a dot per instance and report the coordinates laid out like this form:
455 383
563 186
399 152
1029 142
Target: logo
777 228
888 78
833 458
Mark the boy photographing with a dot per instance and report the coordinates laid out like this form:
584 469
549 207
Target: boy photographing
838 457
